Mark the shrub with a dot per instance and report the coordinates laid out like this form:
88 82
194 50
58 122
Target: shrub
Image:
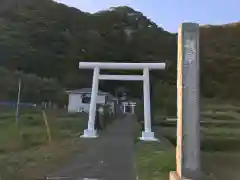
165 99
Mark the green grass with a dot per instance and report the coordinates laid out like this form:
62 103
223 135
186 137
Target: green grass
218 116
220 132
25 151
215 136
154 162
221 165
32 131
220 146
220 141
220 156
207 124
212 138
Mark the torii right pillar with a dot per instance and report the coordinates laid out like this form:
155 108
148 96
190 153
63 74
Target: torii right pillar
188 122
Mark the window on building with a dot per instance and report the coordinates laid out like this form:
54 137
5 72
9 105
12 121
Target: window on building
86 99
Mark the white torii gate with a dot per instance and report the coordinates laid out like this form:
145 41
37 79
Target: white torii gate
147 134
131 104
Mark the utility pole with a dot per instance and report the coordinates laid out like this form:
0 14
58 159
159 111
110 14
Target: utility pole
18 100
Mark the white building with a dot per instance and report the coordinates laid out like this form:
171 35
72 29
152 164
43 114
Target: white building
79 100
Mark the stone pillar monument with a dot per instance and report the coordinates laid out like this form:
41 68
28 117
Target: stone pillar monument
188 123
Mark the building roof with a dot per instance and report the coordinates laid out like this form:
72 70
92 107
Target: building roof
85 90
89 90
111 97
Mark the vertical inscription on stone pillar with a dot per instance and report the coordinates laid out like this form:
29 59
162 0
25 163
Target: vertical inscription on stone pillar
188 102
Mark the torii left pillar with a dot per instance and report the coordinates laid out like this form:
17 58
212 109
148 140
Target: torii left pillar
90 131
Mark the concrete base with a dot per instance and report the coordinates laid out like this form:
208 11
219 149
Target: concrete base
173 175
89 134
148 136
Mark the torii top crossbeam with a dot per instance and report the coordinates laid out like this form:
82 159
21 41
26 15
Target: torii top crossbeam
127 66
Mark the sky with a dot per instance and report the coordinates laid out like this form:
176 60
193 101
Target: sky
168 14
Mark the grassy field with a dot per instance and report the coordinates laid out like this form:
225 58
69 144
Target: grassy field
26 151
220 146
154 161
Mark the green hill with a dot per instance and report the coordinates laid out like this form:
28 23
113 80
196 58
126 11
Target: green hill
49 39
220 58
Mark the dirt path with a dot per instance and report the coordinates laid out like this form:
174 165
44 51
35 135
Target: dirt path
109 157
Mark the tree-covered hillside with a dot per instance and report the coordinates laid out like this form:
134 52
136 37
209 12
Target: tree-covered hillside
220 60
49 39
